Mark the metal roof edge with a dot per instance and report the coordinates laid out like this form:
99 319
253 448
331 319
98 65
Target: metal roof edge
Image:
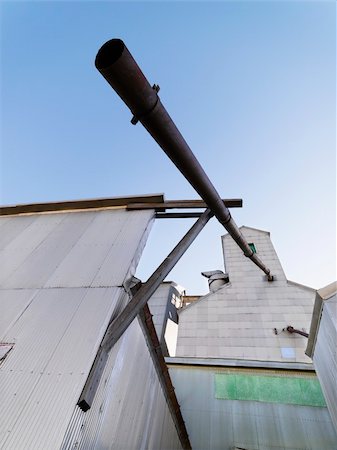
302 286
203 297
95 203
328 291
314 326
249 228
224 362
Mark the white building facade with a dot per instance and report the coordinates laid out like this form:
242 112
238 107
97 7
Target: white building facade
63 280
247 318
243 381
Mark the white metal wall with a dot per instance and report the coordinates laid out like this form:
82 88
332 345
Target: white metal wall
60 283
325 355
158 306
129 410
56 339
78 249
215 424
238 320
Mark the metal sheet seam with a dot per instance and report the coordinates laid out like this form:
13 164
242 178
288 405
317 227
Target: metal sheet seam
39 245
45 239
30 301
140 248
107 254
74 244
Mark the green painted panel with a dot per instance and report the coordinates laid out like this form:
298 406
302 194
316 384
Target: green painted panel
252 247
271 389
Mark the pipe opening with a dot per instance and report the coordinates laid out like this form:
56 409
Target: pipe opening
109 53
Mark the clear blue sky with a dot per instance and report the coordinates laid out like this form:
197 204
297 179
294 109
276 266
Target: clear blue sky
251 85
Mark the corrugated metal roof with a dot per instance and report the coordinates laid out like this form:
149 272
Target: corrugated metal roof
223 424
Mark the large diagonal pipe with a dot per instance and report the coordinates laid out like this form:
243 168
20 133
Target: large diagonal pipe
121 71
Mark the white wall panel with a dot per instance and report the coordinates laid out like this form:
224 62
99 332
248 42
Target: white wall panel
124 254
45 258
56 340
12 227
215 424
325 355
22 244
13 303
238 320
129 410
59 290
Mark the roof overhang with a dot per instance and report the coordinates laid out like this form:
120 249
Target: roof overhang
96 203
155 202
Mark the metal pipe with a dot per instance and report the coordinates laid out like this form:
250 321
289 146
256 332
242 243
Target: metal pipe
291 329
121 71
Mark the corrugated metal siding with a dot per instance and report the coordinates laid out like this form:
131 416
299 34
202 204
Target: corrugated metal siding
129 410
158 305
13 303
222 424
325 355
56 340
71 249
60 286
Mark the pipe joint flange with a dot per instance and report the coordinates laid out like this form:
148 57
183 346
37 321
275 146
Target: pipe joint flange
136 117
225 222
248 255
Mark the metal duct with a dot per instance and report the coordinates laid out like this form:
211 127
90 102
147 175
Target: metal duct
216 279
121 71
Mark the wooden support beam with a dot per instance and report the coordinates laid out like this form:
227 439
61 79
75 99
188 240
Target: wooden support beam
93 380
120 324
134 307
152 341
182 204
183 215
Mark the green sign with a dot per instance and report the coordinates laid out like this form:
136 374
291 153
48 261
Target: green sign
271 389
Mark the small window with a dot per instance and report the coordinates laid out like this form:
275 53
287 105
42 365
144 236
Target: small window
252 247
288 352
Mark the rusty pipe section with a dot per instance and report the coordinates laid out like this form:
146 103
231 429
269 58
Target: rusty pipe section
291 329
116 64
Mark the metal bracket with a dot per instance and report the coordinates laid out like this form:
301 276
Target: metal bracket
135 119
